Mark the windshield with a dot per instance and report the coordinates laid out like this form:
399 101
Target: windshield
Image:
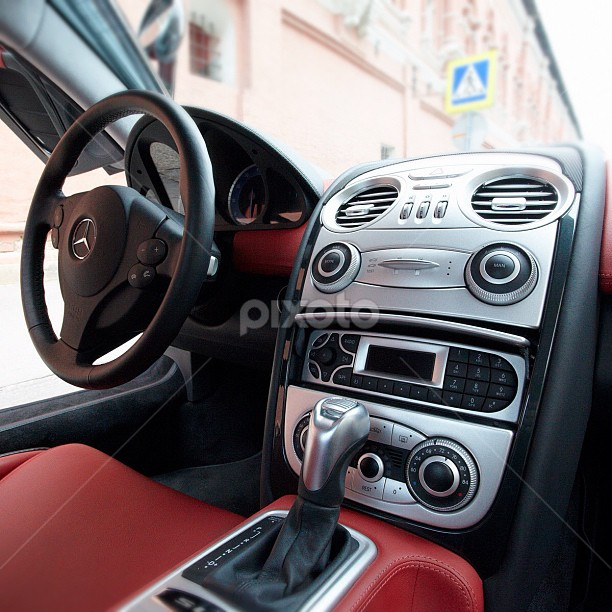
344 82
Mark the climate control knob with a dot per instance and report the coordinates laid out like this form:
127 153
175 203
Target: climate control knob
335 267
501 274
371 467
441 474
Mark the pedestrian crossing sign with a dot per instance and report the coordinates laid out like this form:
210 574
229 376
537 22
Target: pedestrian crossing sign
470 82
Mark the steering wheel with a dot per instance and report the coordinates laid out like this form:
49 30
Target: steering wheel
126 265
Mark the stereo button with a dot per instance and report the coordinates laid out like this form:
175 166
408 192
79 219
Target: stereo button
493 405
385 386
419 393
479 358
343 377
459 354
476 387
369 383
452 399
456 369
501 392
472 402
452 383
350 342
502 377
312 368
401 389
478 373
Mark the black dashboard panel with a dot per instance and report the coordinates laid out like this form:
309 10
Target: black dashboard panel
258 183
497 292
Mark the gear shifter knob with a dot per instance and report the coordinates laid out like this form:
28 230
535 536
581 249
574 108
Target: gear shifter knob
338 428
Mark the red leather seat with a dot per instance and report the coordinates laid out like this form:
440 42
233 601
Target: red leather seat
81 531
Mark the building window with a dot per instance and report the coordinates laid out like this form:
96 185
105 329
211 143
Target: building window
386 151
212 40
204 54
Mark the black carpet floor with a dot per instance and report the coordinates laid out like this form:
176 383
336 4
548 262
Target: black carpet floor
232 486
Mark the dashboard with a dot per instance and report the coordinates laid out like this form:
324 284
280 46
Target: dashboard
258 184
433 291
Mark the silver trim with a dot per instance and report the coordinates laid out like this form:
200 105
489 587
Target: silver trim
347 278
213 266
502 299
500 281
320 320
327 597
490 447
451 466
378 460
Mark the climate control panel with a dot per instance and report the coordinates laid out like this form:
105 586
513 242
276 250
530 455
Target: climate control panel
428 468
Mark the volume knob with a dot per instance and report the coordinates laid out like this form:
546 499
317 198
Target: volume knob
335 267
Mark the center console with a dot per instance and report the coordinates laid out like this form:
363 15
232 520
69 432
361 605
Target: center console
429 291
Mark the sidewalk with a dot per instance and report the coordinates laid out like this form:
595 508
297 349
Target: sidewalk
24 378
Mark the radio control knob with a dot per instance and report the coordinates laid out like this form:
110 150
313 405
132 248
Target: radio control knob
442 474
501 274
335 267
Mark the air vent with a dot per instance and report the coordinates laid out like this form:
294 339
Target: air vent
514 201
366 206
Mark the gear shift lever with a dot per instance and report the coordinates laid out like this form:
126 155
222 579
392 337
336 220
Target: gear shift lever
338 428
281 570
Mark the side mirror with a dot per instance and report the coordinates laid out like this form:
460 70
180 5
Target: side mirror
160 33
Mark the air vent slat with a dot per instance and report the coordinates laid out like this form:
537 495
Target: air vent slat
366 206
516 194
534 200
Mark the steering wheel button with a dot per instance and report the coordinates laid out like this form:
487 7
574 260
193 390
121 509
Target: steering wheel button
141 276
151 252
58 216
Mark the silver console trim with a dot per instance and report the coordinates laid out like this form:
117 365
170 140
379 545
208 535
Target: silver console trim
326 598
490 447
322 320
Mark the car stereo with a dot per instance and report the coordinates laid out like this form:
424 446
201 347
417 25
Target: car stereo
447 375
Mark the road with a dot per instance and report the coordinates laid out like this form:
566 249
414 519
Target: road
24 378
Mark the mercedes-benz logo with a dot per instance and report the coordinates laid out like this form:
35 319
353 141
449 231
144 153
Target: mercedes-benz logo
84 238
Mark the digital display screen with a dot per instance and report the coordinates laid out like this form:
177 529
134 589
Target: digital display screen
399 362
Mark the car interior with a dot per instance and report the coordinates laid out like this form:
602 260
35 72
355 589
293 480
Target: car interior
383 391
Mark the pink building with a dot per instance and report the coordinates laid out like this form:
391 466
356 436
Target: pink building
344 81
347 81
